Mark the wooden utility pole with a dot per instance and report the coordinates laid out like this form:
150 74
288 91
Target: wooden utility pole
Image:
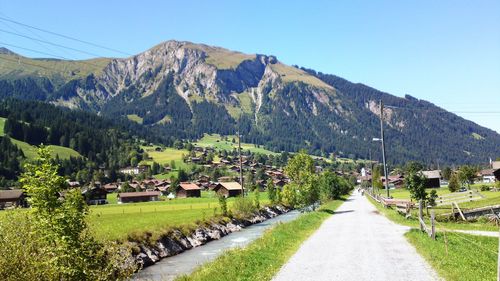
383 146
498 266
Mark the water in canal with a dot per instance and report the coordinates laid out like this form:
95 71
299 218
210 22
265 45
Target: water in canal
185 263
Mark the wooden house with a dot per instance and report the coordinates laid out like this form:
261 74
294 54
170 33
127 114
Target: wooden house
228 189
187 189
12 198
433 178
144 196
95 195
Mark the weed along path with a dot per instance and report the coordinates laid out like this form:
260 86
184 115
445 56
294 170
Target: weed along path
186 262
357 244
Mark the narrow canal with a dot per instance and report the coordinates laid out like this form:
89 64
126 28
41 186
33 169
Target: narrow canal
186 262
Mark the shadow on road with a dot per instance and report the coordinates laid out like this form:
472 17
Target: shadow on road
336 212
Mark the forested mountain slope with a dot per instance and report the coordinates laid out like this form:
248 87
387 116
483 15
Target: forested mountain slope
182 90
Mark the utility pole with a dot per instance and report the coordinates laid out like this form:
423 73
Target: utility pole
241 165
383 146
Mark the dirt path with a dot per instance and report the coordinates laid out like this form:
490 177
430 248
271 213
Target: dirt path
358 244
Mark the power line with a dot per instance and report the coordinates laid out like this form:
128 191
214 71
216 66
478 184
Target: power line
49 54
65 36
50 43
27 63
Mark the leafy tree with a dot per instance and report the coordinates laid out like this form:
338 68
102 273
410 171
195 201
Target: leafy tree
256 194
60 245
467 174
376 178
125 187
304 189
454 184
415 182
271 191
431 201
333 186
447 173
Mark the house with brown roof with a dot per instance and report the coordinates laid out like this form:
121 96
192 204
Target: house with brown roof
228 189
95 195
495 166
12 198
188 189
144 196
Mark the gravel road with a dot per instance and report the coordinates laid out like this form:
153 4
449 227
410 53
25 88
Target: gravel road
357 243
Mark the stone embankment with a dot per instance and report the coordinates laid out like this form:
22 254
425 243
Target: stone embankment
146 253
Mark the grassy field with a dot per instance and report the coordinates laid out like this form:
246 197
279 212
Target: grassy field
117 221
220 57
217 142
134 117
292 74
262 259
467 257
30 150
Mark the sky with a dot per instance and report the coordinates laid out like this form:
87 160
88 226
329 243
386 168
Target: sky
446 52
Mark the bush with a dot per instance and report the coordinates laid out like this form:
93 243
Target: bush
485 187
223 204
454 184
243 206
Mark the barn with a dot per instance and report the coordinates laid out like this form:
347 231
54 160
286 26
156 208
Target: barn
228 189
187 189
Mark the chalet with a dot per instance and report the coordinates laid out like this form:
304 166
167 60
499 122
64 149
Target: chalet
487 175
279 183
225 179
433 178
95 195
144 196
12 198
111 187
134 170
228 189
195 159
187 189
203 178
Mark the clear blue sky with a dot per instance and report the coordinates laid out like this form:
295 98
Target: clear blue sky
447 52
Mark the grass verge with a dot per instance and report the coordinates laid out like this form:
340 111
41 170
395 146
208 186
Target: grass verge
262 259
468 257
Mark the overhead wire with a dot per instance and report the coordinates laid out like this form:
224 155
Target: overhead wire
65 36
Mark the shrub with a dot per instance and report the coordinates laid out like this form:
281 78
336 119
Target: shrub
256 194
454 184
485 187
243 206
223 204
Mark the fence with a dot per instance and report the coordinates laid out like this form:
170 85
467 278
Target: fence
458 197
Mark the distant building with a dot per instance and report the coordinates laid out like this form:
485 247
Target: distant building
144 196
95 195
487 176
433 178
228 189
496 169
187 189
134 170
12 198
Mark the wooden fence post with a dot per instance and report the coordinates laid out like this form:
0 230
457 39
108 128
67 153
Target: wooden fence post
433 225
421 214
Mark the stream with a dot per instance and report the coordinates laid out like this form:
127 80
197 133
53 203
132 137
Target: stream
186 262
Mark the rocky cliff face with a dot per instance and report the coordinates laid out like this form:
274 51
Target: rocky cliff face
188 89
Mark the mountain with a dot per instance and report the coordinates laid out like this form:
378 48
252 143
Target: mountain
185 89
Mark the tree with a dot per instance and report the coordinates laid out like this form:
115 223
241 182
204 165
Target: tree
333 186
454 184
431 201
447 173
415 182
376 178
172 164
304 189
467 174
271 191
60 245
